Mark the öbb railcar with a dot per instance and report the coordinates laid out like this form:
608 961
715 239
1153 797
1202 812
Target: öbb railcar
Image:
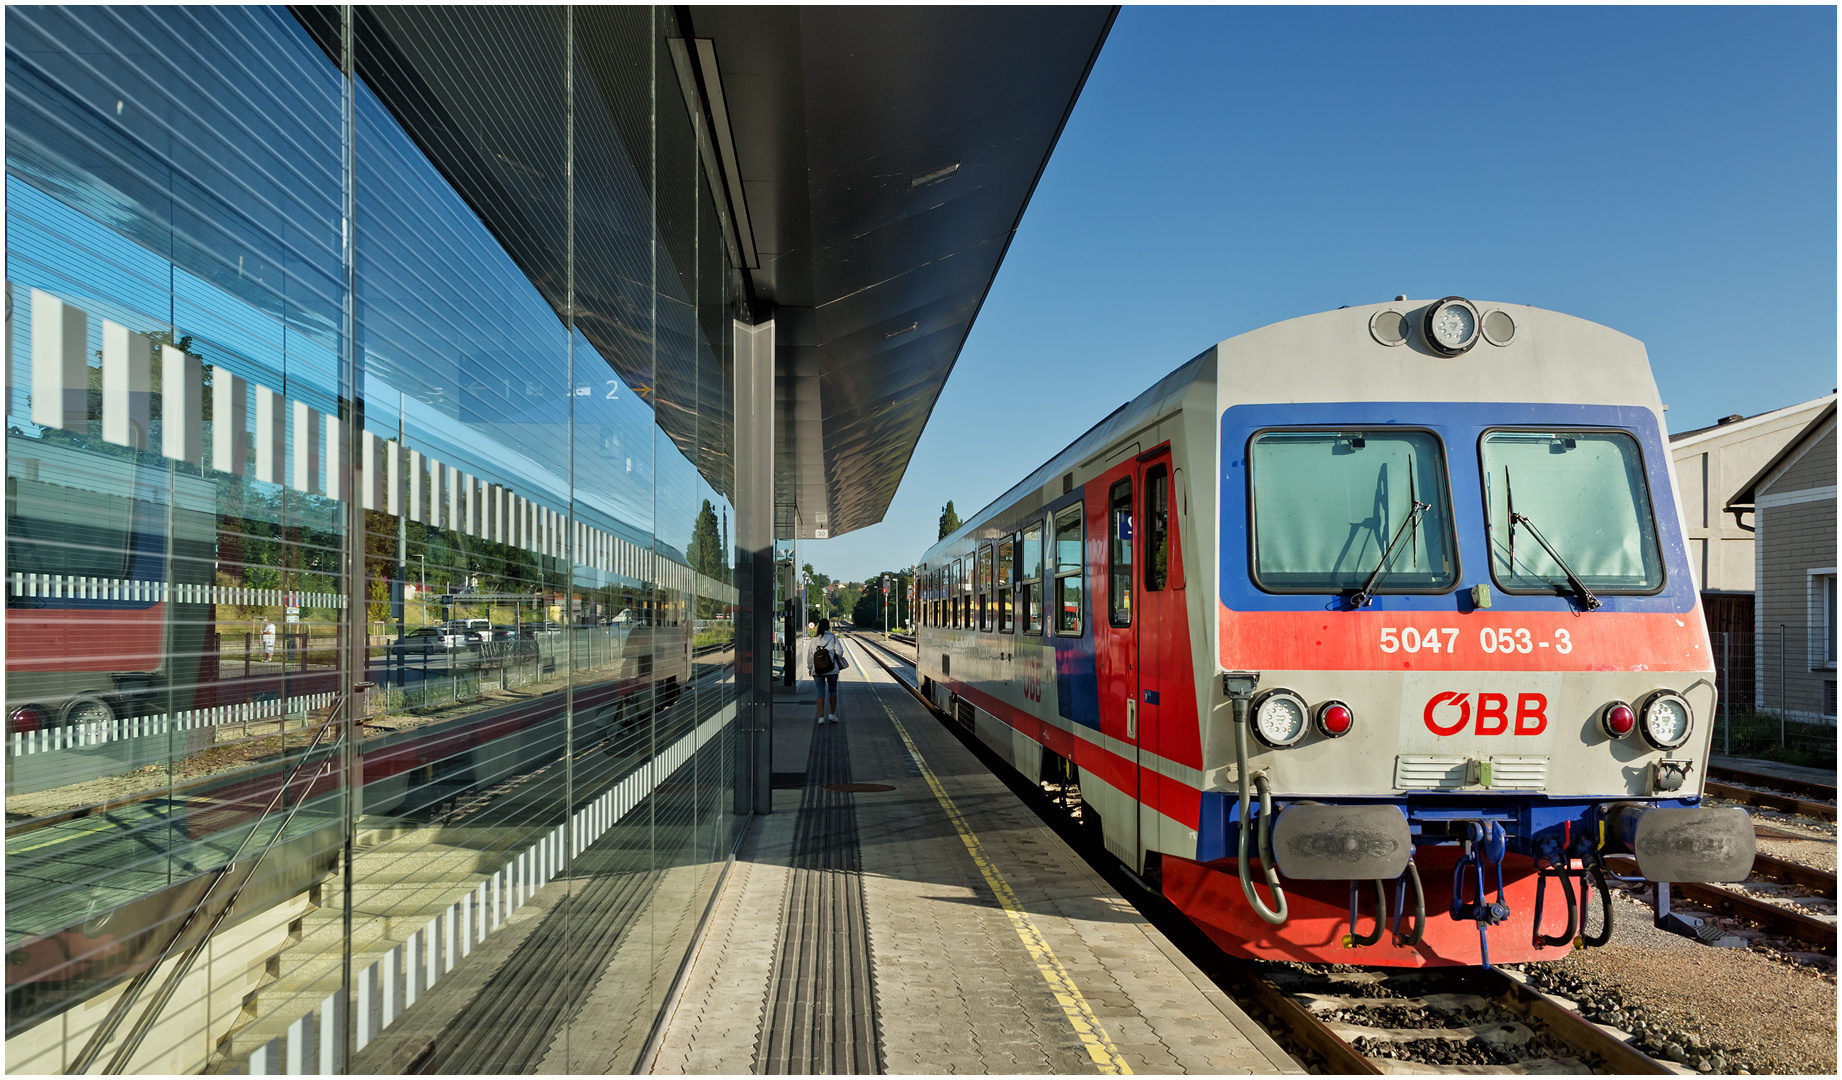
1367 634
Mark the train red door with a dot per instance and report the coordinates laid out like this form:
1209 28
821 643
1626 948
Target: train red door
1140 634
1165 697
1116 640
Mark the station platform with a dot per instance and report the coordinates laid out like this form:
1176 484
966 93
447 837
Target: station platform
901 911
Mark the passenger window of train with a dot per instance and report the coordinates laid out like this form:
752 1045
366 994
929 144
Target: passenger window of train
1007 568
984 589
1329 504
1119 554
1030 590
70 531
959 594
1068 571
1586 495
1157 528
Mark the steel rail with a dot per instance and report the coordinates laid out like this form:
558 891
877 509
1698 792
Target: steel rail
1772 917
1794 787
1769 801
1569 1026
1823 881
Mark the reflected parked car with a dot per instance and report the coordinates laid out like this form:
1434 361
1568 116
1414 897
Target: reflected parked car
429 640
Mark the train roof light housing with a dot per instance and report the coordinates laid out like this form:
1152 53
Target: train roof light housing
1665 720
1335 719
1452 325
1280 718
1617 720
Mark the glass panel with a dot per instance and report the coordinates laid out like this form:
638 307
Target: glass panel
983 588
173 597
1068 570
1328 503
1029 597
1157 527
1583 492
1119 554
547 588
1006 571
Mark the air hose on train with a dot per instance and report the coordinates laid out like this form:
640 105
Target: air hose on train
1267 861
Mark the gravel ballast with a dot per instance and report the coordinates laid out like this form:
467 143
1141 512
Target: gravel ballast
1727 1011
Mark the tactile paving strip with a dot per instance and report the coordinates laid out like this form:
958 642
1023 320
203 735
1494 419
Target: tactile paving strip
821 1014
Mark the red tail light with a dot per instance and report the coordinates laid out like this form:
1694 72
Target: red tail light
1617 720
28 718
1335 719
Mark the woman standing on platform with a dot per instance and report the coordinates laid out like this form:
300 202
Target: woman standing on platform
825 661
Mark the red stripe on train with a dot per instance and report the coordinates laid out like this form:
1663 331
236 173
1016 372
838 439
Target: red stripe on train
1517 641
1173 798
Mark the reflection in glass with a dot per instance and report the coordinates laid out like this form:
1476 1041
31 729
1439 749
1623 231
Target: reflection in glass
541 746
1327 504
1587 494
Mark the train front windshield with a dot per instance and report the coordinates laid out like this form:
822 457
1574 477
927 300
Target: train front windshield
1328 505
1582 492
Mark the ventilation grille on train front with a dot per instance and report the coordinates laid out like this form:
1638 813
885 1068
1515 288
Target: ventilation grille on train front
1430 772
1519 773
1444 772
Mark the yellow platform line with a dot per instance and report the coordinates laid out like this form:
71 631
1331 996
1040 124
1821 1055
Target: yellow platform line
1079 1013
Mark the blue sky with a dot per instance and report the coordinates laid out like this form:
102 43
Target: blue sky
1668 172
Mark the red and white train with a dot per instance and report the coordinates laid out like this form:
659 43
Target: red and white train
1368 634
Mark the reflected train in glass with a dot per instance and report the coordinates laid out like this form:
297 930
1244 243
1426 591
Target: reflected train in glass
1365 635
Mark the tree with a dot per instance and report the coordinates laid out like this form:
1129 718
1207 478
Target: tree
705 552
949 521
867 608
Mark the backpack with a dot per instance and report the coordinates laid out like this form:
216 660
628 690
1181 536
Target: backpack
822 663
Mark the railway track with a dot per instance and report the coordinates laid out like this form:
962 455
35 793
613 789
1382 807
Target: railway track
1768 901
1448 1020
1765 780
1801 797
1363 1021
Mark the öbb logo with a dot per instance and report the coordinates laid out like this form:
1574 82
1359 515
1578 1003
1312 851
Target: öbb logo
1455 711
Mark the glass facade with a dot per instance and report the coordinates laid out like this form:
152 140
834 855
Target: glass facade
369 512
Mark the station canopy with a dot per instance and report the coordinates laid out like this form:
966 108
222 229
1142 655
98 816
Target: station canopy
869 166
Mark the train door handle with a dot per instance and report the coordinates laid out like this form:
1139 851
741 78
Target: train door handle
1131 718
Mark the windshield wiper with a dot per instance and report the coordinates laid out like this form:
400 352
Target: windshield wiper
1361 599
1588 601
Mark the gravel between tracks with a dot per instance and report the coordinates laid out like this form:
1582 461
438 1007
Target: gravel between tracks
1736 1010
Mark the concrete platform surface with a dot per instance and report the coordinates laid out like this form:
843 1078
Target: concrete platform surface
993 948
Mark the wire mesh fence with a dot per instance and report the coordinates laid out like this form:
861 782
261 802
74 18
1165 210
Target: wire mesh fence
1777 691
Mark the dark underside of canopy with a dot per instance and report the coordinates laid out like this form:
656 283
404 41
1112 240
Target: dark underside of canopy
870 165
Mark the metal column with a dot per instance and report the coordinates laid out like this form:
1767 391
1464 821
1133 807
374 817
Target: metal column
754 427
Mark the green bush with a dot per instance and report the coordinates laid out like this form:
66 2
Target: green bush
1757 735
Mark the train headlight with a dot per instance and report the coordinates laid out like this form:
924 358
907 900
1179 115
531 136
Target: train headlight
1452 325
1617 720
1279 718
1665 720
1335 719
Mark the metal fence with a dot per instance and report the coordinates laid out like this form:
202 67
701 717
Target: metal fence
1777 688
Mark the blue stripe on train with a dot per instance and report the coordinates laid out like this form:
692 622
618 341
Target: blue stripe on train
1458 425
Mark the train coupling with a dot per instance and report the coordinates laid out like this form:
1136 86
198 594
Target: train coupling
1688 843
1484 844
